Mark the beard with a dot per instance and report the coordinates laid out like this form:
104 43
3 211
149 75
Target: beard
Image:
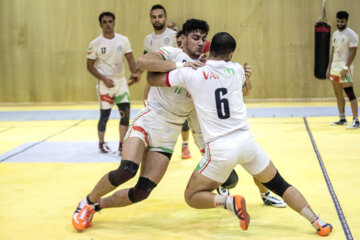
341 27
159 27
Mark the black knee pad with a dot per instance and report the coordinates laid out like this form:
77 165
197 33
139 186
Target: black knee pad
350 93
278 185
104 117
231 181
124 109
141 190
126 171
185 126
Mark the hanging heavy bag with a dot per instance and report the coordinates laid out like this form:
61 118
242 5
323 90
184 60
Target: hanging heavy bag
322 44
322 47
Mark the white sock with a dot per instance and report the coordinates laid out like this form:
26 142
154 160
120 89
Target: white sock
220 201
230 204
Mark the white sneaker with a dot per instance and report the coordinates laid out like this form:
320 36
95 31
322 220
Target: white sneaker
223 191
355 124
272 200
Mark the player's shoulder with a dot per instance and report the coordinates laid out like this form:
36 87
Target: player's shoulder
97 39
121 37
170 31
351 32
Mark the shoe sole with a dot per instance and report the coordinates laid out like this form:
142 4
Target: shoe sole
241 213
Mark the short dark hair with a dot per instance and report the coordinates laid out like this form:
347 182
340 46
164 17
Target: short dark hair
158 6
179 33
342 15
222 44
192 25
109 14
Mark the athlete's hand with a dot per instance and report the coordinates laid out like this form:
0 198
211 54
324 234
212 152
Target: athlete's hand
248 70
343 74
108 82
194 65
134 78
203 58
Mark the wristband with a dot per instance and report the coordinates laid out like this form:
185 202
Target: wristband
179 65
346 68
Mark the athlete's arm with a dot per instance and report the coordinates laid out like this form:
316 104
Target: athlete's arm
352 54
90 67
157 79
135 73
247 85
330 62
154 62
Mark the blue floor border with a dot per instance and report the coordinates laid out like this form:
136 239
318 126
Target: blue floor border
339 211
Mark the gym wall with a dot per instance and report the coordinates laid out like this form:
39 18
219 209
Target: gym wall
44 43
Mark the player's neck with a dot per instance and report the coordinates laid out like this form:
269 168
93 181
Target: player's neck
158 32
109 35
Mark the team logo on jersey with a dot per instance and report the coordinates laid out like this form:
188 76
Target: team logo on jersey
119 48
166 40
210 75
103 50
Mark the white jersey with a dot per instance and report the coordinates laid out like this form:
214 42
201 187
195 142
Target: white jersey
154 41
171 104
109 55
342 41
216 90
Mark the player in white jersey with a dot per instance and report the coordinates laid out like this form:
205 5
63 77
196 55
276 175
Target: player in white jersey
105 61
217 94
340 69
162 37
154 130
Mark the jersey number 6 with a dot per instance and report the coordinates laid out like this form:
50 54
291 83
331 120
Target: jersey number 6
222 104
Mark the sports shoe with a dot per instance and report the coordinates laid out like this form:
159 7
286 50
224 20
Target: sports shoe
271 200
341 122
323 229
240 211
82 214
185 153
89 221
355 124
223 191
104 148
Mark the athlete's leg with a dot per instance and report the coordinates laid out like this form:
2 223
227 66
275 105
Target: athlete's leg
133 151
124 110
338 90
348 88
185 133
153 169
271 178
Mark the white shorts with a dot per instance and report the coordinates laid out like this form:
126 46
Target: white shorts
117 94
222 155
157 135
336 76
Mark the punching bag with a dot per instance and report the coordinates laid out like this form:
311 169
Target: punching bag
322 48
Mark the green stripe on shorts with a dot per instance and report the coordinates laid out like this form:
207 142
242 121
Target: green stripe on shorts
119 98
162 149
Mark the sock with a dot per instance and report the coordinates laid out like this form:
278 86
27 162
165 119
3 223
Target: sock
342 116
220 201
97 206
229 204
319 221
309 214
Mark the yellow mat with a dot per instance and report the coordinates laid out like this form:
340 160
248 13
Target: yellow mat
37 199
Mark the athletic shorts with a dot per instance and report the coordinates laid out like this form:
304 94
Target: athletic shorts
223 154
117 94
335 75
157 135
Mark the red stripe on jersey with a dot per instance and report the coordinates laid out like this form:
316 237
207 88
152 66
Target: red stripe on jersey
167 80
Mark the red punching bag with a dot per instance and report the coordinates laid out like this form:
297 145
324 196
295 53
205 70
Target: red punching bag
322 45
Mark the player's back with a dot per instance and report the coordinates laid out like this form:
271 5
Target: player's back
216 90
